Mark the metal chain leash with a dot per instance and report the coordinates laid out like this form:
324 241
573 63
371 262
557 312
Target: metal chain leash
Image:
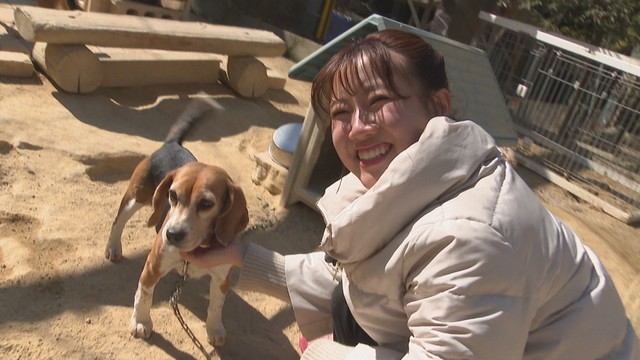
176 296
176 311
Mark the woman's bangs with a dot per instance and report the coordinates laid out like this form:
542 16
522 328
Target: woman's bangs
365 64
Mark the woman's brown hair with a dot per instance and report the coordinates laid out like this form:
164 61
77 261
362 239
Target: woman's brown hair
344 69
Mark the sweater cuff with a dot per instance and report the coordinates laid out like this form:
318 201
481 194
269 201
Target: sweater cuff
323 349
263 271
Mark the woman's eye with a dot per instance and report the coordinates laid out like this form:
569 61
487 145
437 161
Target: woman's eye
379 100
339 115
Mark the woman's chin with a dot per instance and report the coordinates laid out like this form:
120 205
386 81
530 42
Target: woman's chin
370 175
367 179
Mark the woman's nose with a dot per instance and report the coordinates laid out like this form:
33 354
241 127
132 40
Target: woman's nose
362 123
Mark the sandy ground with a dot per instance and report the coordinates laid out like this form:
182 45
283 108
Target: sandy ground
64 163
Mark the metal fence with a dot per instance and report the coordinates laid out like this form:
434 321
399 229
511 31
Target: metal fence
575 107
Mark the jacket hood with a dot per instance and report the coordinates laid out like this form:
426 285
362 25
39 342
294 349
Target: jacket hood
448 157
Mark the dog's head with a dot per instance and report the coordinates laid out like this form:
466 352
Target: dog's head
207 208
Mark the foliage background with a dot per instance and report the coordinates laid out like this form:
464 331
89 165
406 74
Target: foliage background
611 24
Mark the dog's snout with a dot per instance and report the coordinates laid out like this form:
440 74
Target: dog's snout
175 235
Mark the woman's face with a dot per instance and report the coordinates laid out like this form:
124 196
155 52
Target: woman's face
372 126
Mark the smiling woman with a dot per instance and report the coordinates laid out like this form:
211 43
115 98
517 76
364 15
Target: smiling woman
376 108
434 247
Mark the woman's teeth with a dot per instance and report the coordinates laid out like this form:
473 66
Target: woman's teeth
374 152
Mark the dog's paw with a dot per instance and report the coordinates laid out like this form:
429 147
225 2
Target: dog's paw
216 336
140 329
113 252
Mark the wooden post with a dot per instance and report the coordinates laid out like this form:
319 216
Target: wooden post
73 68
246 75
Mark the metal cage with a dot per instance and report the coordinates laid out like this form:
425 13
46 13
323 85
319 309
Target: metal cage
576 109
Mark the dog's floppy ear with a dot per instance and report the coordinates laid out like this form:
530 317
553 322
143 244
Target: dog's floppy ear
160 198
234 217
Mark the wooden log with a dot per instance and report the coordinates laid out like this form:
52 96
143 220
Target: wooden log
143 67
110 30
82 69
246 75
73 68
15 64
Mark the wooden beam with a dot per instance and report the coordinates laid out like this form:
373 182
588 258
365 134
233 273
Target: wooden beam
110 30
15 64
82 69
143 67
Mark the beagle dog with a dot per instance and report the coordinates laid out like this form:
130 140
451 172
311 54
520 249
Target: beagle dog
207 210
196 207
151 170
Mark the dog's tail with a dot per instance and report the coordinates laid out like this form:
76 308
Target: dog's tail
196 110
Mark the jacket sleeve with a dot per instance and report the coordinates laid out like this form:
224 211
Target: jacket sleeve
263 271
310 282
468 292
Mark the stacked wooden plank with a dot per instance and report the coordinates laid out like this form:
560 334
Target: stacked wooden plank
81 51
14 54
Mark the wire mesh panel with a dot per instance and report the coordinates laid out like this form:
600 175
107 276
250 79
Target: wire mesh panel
578 114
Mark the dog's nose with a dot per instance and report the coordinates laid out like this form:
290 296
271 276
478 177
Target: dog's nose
175 235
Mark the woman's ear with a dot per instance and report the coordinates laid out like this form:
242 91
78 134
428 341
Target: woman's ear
442 100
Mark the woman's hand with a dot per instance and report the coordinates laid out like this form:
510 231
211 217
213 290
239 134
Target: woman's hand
232 254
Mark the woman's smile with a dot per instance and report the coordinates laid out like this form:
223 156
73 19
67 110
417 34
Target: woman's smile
374 154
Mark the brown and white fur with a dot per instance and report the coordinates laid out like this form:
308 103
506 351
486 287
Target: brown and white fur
151 170
207 211
196 207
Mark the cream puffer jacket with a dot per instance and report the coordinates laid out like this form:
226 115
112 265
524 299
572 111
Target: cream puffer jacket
450 255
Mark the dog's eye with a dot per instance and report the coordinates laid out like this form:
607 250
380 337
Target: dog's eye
205 205
173 197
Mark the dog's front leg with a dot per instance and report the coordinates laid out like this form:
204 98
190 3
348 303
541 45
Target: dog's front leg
141 325
218 289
